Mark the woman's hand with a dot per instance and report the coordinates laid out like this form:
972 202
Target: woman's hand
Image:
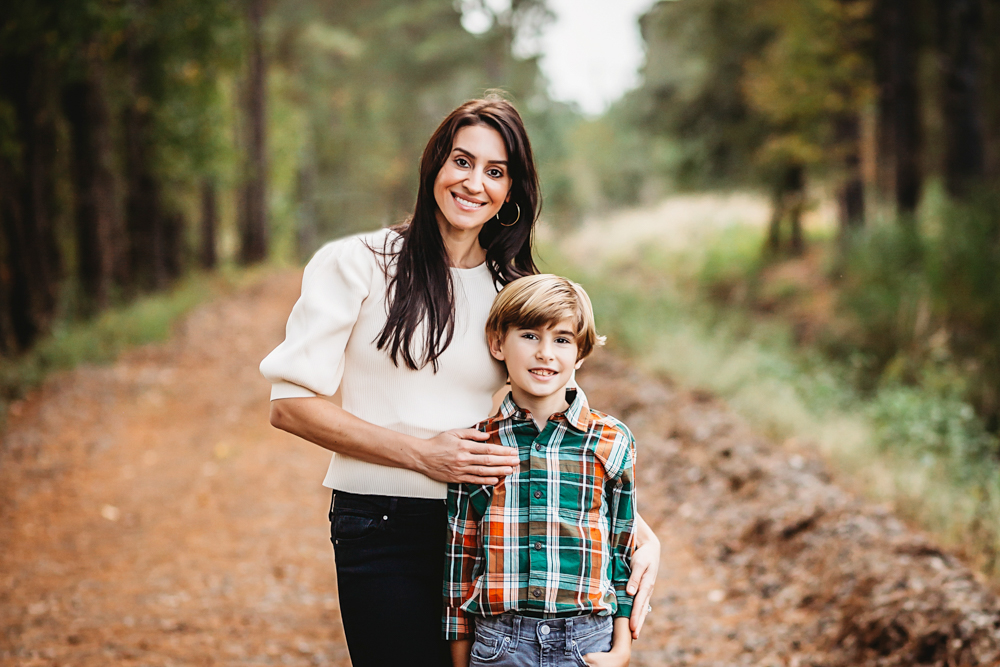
645 563
461 455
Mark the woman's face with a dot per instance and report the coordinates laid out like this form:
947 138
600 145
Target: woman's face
474 181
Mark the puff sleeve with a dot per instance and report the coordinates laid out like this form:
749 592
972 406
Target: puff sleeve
335 284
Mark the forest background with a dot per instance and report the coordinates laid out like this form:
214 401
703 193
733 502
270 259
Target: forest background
148 145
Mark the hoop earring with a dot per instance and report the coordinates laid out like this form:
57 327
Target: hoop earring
510 224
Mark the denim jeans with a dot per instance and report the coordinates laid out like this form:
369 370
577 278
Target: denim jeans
519 641
390 562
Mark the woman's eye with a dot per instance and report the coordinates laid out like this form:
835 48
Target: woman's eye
495 173
462 162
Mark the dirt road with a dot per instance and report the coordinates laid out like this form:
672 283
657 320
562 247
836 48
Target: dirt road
151 516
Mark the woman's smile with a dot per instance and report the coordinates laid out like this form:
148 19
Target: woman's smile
468 203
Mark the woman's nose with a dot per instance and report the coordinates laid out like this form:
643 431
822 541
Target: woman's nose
474 182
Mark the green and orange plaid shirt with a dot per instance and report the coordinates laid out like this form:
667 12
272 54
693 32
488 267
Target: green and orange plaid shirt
553 539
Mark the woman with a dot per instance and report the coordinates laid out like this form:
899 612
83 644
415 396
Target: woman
392 323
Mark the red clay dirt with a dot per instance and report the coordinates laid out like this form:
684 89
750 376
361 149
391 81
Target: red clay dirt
151 516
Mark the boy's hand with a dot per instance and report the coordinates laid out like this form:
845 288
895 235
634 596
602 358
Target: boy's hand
460 455
621 648
609 659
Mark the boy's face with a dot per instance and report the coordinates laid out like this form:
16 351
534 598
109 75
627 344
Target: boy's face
540 362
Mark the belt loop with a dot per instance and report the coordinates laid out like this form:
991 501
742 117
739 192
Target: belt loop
517 633
569 636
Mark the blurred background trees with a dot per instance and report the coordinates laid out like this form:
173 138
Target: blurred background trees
142 139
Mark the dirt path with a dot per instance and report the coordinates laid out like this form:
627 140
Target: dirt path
151 516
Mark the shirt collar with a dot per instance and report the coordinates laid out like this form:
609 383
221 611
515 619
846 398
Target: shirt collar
577 414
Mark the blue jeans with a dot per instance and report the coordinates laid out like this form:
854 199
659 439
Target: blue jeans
520 641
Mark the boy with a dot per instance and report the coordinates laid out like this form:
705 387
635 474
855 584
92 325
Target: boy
537 565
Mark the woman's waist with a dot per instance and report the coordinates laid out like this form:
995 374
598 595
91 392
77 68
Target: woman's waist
350 475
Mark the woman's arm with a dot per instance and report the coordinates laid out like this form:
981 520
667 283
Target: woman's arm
645 563
453 456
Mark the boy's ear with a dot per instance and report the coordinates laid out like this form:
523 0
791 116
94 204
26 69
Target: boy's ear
495 348
579 363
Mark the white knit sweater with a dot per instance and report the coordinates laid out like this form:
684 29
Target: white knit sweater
329 347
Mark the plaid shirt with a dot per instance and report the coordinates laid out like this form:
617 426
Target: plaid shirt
553 539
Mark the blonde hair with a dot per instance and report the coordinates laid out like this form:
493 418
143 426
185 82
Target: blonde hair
540 301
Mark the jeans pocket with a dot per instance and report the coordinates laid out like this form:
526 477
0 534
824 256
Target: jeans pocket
488 648
352 526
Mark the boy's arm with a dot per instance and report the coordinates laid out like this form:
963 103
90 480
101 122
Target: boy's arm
621 648
462 555
621 506
461 649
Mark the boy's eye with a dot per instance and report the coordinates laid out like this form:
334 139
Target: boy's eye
564 341
529 335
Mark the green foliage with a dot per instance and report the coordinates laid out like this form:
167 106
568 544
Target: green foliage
691 93
923 303
729 267
934 429
885 299
811 72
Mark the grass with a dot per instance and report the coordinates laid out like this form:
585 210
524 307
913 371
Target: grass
100 340
920 449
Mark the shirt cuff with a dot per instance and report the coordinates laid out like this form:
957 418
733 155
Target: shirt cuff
624 604
457 624
282 389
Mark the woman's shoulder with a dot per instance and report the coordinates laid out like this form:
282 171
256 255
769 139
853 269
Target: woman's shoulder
362 252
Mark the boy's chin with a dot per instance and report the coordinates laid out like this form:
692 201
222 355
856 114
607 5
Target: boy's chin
545 390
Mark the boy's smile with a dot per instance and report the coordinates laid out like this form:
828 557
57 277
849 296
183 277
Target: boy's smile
540 363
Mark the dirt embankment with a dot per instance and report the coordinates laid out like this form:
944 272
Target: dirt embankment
151 516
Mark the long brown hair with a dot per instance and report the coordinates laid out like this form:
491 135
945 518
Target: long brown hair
420 292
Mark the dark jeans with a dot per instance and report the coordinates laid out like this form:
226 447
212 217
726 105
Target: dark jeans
390 563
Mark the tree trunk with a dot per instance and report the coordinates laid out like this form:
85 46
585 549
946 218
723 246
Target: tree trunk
960 28
774 226
788 200
851 193
96 214
899 132
991 92
253 213
144 216
207 256
31 265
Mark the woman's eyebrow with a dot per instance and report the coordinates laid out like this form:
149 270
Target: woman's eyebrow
462 150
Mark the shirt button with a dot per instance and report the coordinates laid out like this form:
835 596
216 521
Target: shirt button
538 446
538 494
544 629
537 592
538 546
